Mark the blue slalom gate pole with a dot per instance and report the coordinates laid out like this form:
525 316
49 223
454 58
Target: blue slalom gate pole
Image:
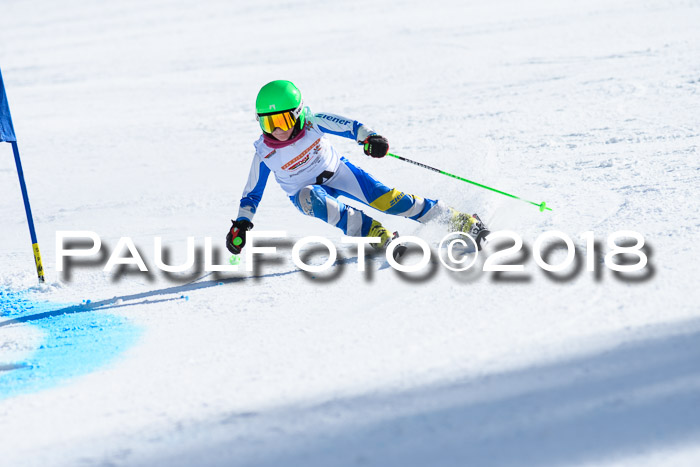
7 133
28 211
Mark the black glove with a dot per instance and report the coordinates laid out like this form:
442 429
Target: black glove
376 146
235 239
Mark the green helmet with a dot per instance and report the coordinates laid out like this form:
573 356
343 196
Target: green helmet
280 96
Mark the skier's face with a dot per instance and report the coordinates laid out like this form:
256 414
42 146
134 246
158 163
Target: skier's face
281 134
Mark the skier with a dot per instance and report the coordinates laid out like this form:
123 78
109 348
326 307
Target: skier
309 169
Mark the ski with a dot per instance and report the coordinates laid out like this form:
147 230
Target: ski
399 250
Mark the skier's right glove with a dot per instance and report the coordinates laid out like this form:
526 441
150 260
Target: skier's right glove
235 239
376 146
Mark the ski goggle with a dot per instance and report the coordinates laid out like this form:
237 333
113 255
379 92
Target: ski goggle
282 120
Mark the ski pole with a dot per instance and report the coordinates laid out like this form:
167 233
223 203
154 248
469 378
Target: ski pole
541 205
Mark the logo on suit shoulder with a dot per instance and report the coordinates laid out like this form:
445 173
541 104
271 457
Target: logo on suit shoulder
333 119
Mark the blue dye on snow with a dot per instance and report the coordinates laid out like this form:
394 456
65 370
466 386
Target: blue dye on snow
73 344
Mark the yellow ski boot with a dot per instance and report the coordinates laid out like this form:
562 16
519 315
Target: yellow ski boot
378 230
470 224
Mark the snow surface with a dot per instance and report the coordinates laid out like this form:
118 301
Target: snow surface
136 119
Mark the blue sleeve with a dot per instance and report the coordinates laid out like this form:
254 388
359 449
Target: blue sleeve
342 126
254 189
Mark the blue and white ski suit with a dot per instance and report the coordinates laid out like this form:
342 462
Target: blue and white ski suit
314 175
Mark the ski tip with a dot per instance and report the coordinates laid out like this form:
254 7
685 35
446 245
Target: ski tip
482 239
399 250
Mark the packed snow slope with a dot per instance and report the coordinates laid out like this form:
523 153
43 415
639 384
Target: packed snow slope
136 119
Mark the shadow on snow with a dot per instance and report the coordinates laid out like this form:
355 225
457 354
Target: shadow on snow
628 400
